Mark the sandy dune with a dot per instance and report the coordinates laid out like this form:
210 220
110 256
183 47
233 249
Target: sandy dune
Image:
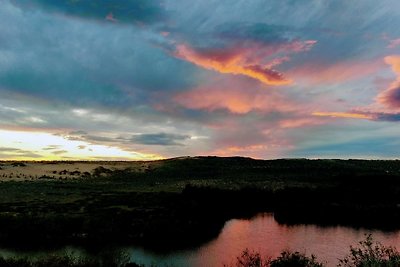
30 170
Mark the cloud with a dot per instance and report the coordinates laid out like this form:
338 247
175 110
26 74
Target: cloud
323 73
84 67
84 136
78 132
162 139
367 115
234 97
231 63
256 32
59 152
80 63
367 147
391 96
394 43
10 153
51 147
254 60
343 115
127 11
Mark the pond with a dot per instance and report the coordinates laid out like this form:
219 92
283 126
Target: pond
262 234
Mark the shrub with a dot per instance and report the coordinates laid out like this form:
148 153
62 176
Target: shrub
251 259
371 254
295 259
286 259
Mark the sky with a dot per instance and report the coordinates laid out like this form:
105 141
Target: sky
151 79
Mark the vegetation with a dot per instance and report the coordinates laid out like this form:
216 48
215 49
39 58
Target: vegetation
295 259
371 254
368 253
251 259
286 259
110 259
184 202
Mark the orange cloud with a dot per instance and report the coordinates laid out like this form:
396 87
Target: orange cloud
391 96
251 150
298 122
394 61
232 64
344 115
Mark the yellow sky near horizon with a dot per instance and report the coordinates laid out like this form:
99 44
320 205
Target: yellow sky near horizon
27 145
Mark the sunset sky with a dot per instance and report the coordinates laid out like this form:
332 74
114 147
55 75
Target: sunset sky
148 79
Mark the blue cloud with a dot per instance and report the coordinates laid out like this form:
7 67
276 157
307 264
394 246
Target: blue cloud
127 11
163 139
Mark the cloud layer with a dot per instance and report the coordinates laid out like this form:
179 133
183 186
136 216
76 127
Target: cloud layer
162 78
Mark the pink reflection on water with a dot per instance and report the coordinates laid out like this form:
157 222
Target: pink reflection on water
263 234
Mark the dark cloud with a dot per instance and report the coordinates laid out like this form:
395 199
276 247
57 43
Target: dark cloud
391 97
51 147
8 152
9 149
127 11
59 152
79 132
84 136
387 117
97 138
163 139
81 63
260 32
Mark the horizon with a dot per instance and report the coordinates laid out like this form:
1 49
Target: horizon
157 79
192 157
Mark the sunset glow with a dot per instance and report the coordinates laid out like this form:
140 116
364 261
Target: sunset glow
44 146
163 78
342 115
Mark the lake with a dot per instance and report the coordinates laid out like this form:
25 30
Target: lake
262 234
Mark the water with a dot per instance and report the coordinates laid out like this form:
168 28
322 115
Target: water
262 234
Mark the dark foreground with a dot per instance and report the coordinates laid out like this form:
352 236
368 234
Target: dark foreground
180 203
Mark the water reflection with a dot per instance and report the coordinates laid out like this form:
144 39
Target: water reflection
262 234
265 235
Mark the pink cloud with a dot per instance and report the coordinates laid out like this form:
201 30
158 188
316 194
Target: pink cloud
391 96
394 43
253 60
165 33
316 73
299 122
110 17
235 99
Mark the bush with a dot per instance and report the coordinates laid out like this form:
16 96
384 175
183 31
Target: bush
286 259
251 259
371 254
295 259
110 259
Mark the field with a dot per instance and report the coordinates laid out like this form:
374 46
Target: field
183 202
